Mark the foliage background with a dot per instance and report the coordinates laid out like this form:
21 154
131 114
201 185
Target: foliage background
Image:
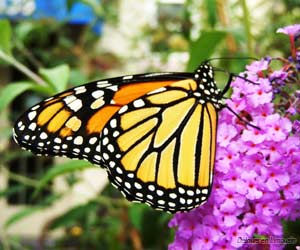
42 57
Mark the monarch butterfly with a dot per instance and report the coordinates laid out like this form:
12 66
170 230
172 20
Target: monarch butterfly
154 133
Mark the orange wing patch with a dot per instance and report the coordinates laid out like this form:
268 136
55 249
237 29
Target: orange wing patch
97 122
123 96
128 93
58 120
48 113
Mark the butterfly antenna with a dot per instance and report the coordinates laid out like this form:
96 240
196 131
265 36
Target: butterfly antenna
241 118
230 79
232 58
231 76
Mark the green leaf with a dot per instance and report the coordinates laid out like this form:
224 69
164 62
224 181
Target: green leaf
5 34
73 215
77 77
204 47
211 9
11 91
11 190
43 90
30 210
21 214
136 215
57 77
60 169
23 29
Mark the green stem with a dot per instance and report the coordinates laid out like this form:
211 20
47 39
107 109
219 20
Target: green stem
22 179
11 60
108 200
293 47
4 240
247 26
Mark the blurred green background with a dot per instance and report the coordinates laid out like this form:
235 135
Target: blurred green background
47 46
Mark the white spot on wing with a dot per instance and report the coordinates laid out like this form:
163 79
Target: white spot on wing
35 107
32 115
110 148
119 170
105 156
150 197
32 126
138 103
190 192
87 150
113 123
157 90
116 133
127 77
76 105
113 88
97 94
97 157
100 83
139 194
57 140
159 192
171 204
69 99
127 184
43 136
123 109
49 99
204 191
78 140
93 140
105 141
137 185
80 90
206 91
173 196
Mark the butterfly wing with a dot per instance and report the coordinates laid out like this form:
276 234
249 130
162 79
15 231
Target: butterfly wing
154 133
160 148
71 123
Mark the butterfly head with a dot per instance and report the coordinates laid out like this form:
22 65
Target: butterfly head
207 87
205 72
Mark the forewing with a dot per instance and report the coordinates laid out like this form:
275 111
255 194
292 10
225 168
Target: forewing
71 123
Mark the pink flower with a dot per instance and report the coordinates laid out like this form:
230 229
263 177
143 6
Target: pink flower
258 66
256 177
291 30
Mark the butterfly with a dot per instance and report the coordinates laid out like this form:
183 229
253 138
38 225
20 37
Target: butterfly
154 133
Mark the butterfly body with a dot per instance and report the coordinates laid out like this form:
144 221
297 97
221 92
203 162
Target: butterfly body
155 133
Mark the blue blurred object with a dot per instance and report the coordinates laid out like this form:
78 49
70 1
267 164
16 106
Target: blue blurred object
79 13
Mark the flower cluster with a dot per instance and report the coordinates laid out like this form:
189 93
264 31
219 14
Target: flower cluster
257 171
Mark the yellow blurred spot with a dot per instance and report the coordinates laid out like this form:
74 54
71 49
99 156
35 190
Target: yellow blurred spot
76 231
